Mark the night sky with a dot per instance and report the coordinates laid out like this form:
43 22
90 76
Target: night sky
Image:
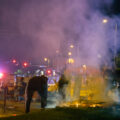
12 42
116 7
21 22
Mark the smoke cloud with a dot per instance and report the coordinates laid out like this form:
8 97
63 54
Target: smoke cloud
37 28
53 25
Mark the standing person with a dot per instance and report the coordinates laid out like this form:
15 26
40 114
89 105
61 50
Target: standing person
22 89
61 85
39 84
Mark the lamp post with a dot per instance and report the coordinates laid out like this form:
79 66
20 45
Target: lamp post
115 39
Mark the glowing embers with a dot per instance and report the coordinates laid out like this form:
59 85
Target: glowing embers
78 104
87 88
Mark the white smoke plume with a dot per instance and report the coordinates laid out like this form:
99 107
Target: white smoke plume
53 25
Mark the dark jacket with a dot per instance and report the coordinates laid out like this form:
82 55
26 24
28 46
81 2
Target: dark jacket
37 83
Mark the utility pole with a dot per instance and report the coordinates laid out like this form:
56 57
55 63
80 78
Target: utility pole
115 43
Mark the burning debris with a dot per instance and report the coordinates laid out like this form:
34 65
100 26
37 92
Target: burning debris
83 104
87 88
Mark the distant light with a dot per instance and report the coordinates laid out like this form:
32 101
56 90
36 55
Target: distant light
71 61
49 72
105 21
25 64
84 67
42 66
42 72
13 61
71 46
54 73
45 59
69 53
1 75
57 51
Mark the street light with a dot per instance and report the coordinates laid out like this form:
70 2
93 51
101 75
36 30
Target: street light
104 21
71 46
45 59
69 53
